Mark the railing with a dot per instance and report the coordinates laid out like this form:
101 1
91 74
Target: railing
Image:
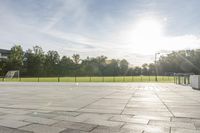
184 80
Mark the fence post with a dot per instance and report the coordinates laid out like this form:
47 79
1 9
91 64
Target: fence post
75 78
174 80
185 80
38 79
182 80
188 79
58 79
179 80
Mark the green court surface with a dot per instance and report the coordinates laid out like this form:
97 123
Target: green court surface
167 79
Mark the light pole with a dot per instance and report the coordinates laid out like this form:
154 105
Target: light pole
156 74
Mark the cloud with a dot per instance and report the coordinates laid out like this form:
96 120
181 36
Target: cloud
74 10
73 26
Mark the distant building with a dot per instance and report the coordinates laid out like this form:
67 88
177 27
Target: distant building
4 54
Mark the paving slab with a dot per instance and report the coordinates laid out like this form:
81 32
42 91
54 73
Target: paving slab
186 125
98 107
147 128
38 128
180 130
73 131
11 130
75 125
129 119
13 123
40 120
105 129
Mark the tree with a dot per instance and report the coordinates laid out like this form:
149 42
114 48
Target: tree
90 66
151 69
123 64
76 67
34 62
76 58
183 61
52 60
3 67
112 68
66 66
130 72
145 69
101 61
15 59
137 71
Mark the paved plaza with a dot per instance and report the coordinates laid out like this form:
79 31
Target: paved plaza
98 108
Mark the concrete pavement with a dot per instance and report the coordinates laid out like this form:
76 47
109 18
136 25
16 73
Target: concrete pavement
98 108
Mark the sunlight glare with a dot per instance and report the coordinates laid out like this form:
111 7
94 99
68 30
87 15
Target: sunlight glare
148 29
146 35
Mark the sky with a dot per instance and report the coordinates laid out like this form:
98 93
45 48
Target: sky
130 29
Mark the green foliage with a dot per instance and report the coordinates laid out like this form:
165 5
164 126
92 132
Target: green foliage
76 58
15 59
123 64
35 62
184 61
66 66
51 63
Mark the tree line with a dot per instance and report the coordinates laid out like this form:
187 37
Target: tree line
183 61
35 62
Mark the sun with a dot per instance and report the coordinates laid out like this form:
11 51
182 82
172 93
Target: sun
148 28
143 29
145 35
